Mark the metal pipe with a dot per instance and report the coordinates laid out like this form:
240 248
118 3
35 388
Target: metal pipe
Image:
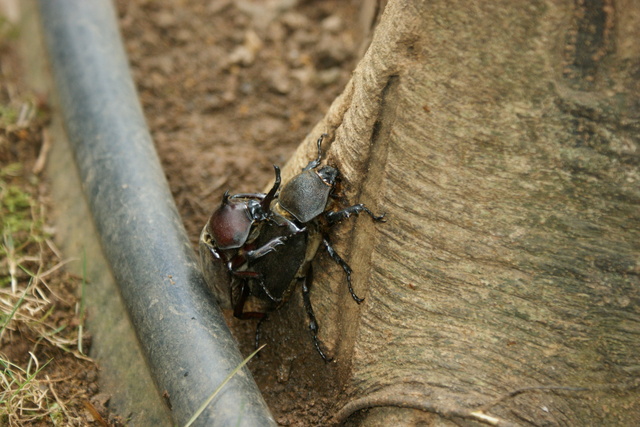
188 347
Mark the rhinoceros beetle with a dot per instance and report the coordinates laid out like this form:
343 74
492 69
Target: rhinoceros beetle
256 247
307 198
229 241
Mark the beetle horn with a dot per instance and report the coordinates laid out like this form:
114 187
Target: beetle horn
225 198
266 202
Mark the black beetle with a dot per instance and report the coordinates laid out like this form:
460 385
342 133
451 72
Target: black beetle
255 248
229 241
307 198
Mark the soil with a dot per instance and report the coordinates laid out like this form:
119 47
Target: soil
230 88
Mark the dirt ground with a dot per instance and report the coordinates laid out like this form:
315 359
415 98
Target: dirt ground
230 88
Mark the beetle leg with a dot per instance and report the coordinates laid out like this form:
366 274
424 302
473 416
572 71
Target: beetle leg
316 162
258 326
238 309
336 216
258 196
213 251
313 324
334 255
270 246
266 291
252 275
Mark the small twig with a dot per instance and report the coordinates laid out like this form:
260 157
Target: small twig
53 248
55 267
41 161
13 263
95 414
55 396
15 309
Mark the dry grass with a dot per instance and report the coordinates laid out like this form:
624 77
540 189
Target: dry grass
45 378
38 314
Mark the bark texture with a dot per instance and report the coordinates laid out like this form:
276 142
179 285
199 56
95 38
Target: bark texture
502 140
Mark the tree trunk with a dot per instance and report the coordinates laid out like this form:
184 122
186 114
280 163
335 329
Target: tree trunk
501 140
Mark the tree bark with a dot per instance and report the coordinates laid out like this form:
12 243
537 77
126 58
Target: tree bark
501 140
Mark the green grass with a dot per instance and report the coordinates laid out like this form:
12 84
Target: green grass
20 227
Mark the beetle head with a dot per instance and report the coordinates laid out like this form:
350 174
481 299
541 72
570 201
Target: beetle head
328 175
230 224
